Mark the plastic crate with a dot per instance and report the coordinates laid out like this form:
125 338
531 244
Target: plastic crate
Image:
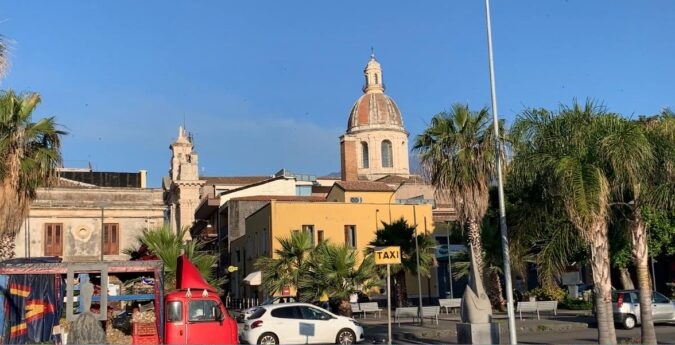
143 329
144 339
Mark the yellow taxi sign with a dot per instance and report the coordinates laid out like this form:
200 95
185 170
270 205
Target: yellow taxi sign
387 255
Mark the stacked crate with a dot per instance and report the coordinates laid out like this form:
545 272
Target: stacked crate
144 333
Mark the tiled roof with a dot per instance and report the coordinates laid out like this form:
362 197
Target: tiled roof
279 198
399 179
233 180
363 186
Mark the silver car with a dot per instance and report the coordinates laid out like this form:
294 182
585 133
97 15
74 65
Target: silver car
272 300
626 307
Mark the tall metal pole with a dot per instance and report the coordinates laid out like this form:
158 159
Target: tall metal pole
388 304
452 295
502 209
102 233
419 279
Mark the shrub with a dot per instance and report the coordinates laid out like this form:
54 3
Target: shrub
548 294
576 304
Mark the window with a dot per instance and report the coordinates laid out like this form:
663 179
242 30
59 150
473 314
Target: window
309 313
319 236
287 313
659 298
202 310
377 79
387 160
111 238
54 239
309 229
174 311
364 155
350 236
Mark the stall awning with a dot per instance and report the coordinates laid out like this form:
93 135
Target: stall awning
253 278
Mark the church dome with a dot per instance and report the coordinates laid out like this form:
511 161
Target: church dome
374 108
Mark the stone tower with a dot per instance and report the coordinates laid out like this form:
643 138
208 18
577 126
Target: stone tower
182 193
375 144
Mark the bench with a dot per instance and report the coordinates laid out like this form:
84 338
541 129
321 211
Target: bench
449 303
355 308
370 307
405 312
431 312
537 306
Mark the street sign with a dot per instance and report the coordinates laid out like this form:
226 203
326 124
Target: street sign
387 255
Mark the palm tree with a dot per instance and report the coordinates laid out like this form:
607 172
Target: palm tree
31 152
168 245
3 57
642 157
568 154
335 270
399 233
285 268
458 153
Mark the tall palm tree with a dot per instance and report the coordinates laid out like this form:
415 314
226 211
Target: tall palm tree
3 57
285 268
335 270
567 152
31 152
458 154
167 245
642 157
399 233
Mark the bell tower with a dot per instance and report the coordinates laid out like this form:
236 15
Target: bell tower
182 194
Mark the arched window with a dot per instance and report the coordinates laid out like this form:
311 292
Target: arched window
387 159
364 155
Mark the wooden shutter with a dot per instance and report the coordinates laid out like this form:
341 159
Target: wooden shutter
53 239
111 239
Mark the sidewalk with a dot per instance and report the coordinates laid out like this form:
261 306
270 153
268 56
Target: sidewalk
566 320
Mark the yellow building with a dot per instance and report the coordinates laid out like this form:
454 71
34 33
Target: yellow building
350 214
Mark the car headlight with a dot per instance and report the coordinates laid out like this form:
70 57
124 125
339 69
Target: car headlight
355 323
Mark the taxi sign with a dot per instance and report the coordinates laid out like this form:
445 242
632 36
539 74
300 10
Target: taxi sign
387 255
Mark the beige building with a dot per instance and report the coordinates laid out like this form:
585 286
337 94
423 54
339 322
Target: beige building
67 220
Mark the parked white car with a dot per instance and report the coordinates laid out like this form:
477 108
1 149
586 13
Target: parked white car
272 300
626 307
299 323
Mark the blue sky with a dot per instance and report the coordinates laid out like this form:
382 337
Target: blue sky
265 85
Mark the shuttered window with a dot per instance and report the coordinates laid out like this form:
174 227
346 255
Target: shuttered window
53 239
111 238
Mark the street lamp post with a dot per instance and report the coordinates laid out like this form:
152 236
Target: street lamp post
452 295
419 279
502 209
102 231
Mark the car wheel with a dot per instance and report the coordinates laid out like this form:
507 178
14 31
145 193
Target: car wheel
268 339
345 337
629 322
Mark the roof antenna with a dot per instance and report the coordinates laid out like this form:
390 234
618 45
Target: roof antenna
372 52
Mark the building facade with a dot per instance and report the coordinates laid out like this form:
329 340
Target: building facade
90 215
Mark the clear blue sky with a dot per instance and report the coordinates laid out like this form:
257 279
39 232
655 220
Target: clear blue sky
269 85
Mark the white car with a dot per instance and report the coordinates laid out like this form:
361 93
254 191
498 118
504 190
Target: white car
299 323
272 300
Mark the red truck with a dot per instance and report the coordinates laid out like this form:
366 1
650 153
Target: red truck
194 313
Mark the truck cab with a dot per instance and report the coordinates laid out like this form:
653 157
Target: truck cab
194 313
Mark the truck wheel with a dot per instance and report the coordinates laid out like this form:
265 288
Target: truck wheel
345 337
268 339
629 322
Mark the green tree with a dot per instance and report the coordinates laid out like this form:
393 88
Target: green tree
399 233
457 152
31 152
168 245
335 270
3 57
287 265
568 152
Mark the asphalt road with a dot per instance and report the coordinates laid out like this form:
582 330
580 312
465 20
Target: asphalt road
664 333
